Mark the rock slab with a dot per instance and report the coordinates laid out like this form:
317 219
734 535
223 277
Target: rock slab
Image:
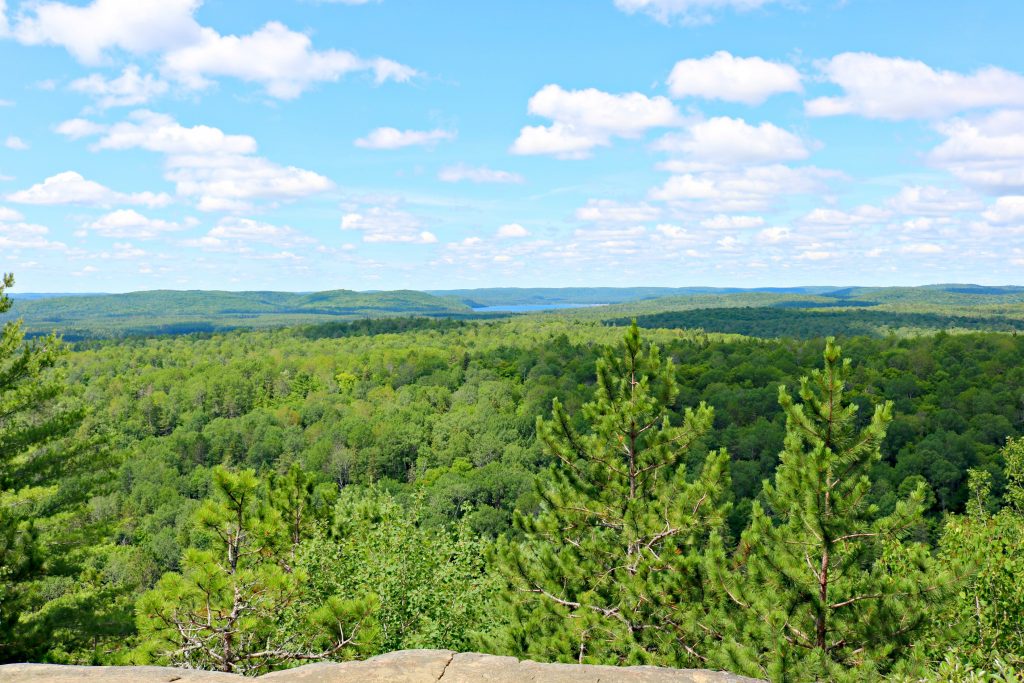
409 666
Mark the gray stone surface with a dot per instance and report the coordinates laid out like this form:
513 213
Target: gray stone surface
52 673
410 666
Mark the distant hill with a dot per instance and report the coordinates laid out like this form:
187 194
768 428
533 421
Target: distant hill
962 306
516 296
177 312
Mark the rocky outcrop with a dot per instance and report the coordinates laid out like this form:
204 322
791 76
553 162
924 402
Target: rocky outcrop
410 666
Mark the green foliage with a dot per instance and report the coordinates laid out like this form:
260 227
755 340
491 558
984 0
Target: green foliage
799 322
988 548
388 453
431 582
823 584
607 572
38 477
239 605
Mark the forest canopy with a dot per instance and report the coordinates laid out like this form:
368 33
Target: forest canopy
340 486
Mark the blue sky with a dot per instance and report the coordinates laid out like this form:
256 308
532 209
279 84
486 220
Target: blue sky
303 145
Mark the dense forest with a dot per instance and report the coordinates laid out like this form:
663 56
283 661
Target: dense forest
548 486
806 323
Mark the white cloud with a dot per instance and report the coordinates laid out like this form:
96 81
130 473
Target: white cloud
921 248
1005 211
624 240
19 235
584 119
89 31
385 224
15 143
774 235
15 234
814 255
7 215
750 80
161 133
80 128
238 235
608 211
231 182
676 233
912 225
987 152
558 140
283 61
392 138
726 222
124 251
725 140
128 223
625 115
933 201
129 89
232 228
479 174
690 12
729 243
485 255
753 188
894 88
218 170
512 231
835 218
70 187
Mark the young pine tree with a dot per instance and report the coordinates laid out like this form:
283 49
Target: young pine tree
239 605
823 586
609 571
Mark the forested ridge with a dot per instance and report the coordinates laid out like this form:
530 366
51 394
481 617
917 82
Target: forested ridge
249 500
765 312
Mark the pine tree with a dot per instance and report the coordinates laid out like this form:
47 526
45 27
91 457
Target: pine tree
34 418
822 583
609 571
239 605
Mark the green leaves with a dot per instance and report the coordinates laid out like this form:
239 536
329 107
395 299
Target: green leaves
240 604
987 549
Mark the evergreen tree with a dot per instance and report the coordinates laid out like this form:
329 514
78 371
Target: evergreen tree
239 605
609 571
34 418
824 586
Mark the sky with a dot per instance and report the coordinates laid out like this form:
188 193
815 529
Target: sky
432 144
